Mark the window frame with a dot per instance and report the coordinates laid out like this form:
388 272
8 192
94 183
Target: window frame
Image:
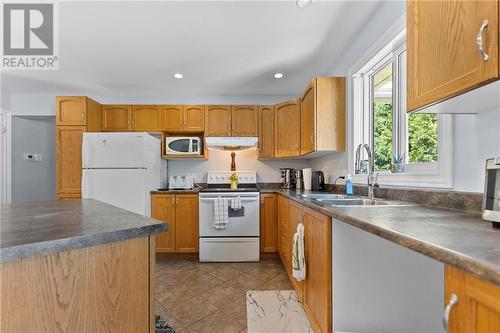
388 48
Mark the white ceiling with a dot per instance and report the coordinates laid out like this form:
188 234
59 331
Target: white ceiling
226 48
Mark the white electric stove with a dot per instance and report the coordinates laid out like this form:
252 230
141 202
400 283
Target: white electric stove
239 241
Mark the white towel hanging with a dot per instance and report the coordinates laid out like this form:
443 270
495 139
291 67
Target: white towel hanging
221 215
298 257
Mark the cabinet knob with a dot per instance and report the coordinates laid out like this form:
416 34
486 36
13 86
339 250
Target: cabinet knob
447 309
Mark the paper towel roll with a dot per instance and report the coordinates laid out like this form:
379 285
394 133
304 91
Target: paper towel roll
307 175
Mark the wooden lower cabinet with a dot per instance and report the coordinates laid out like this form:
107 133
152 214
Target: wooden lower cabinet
269 223
477 309
180 212
315 291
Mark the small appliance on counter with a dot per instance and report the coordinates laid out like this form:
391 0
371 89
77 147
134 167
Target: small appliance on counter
181 182
183 145
318 181
299 183
287 178
307 176
491 198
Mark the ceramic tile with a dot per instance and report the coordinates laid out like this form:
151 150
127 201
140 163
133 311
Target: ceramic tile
175 295
201 283
276 311
222 294
226 273
245 282
192 310
217 322
236 310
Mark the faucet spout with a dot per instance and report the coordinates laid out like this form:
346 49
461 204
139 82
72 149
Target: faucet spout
360 168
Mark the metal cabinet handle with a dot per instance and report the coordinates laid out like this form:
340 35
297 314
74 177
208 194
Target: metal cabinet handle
480 41
173 201
446 314
177 201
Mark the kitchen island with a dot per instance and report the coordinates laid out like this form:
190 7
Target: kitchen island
76 266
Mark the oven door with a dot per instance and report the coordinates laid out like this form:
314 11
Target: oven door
242 223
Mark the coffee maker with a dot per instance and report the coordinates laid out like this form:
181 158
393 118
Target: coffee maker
287 178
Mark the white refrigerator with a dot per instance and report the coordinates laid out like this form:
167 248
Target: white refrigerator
121 169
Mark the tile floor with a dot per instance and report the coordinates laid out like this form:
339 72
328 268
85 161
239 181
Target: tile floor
211 297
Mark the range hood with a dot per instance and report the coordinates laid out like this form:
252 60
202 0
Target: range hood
230 142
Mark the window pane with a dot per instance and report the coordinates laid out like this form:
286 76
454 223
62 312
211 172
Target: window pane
382 117
422 138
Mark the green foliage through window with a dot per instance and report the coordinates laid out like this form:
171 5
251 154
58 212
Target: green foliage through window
422 138
382 135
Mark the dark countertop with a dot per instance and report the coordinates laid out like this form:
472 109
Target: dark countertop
38 228
454 237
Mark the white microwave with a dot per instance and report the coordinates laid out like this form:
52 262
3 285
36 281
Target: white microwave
183 145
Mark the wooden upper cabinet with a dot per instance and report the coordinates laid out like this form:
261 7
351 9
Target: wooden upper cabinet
266 131
269 223
194 118
307 120
317 287
116 118
172 117
146 118
244 120
218 120
163 209
287 127
71 110
69 161
443 57
186 223
78 111
477 309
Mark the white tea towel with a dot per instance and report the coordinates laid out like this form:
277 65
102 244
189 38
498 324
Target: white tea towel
298 258
235 203
221 216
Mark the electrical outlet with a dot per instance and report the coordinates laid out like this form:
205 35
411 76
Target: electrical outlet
32 157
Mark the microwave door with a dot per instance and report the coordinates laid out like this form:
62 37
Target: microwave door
180 146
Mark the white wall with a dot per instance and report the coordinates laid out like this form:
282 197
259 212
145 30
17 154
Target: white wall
246 160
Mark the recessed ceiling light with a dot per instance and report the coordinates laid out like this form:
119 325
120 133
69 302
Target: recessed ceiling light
178 76
303 3
278 75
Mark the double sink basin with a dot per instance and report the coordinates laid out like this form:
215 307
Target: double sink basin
341 200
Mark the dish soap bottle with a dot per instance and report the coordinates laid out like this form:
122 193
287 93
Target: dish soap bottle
348 185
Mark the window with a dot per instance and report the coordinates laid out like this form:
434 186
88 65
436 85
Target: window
378 117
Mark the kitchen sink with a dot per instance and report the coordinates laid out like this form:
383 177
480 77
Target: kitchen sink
358 201
327 196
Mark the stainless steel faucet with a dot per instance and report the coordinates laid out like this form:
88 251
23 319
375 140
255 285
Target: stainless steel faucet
369 170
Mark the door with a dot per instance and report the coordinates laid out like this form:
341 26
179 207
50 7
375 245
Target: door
443 57
268 223
218 120
266 131
477 309
123 188
146 118
307 120
172 117
194 118
295 217
163 209
116 118
69 161
317 287
287 128
186 222
245 120
283 232
114 150
70 110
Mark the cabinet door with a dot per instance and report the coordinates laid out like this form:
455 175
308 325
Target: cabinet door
194 118
307 120
266 131
283 231
146 118
443 57
116 118
71 110
295 216
318 283
478 304
69 161
172 117
186 219
218 120
163 209
287 127
269 223
245 120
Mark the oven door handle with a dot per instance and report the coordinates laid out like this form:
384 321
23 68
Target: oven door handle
242 199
